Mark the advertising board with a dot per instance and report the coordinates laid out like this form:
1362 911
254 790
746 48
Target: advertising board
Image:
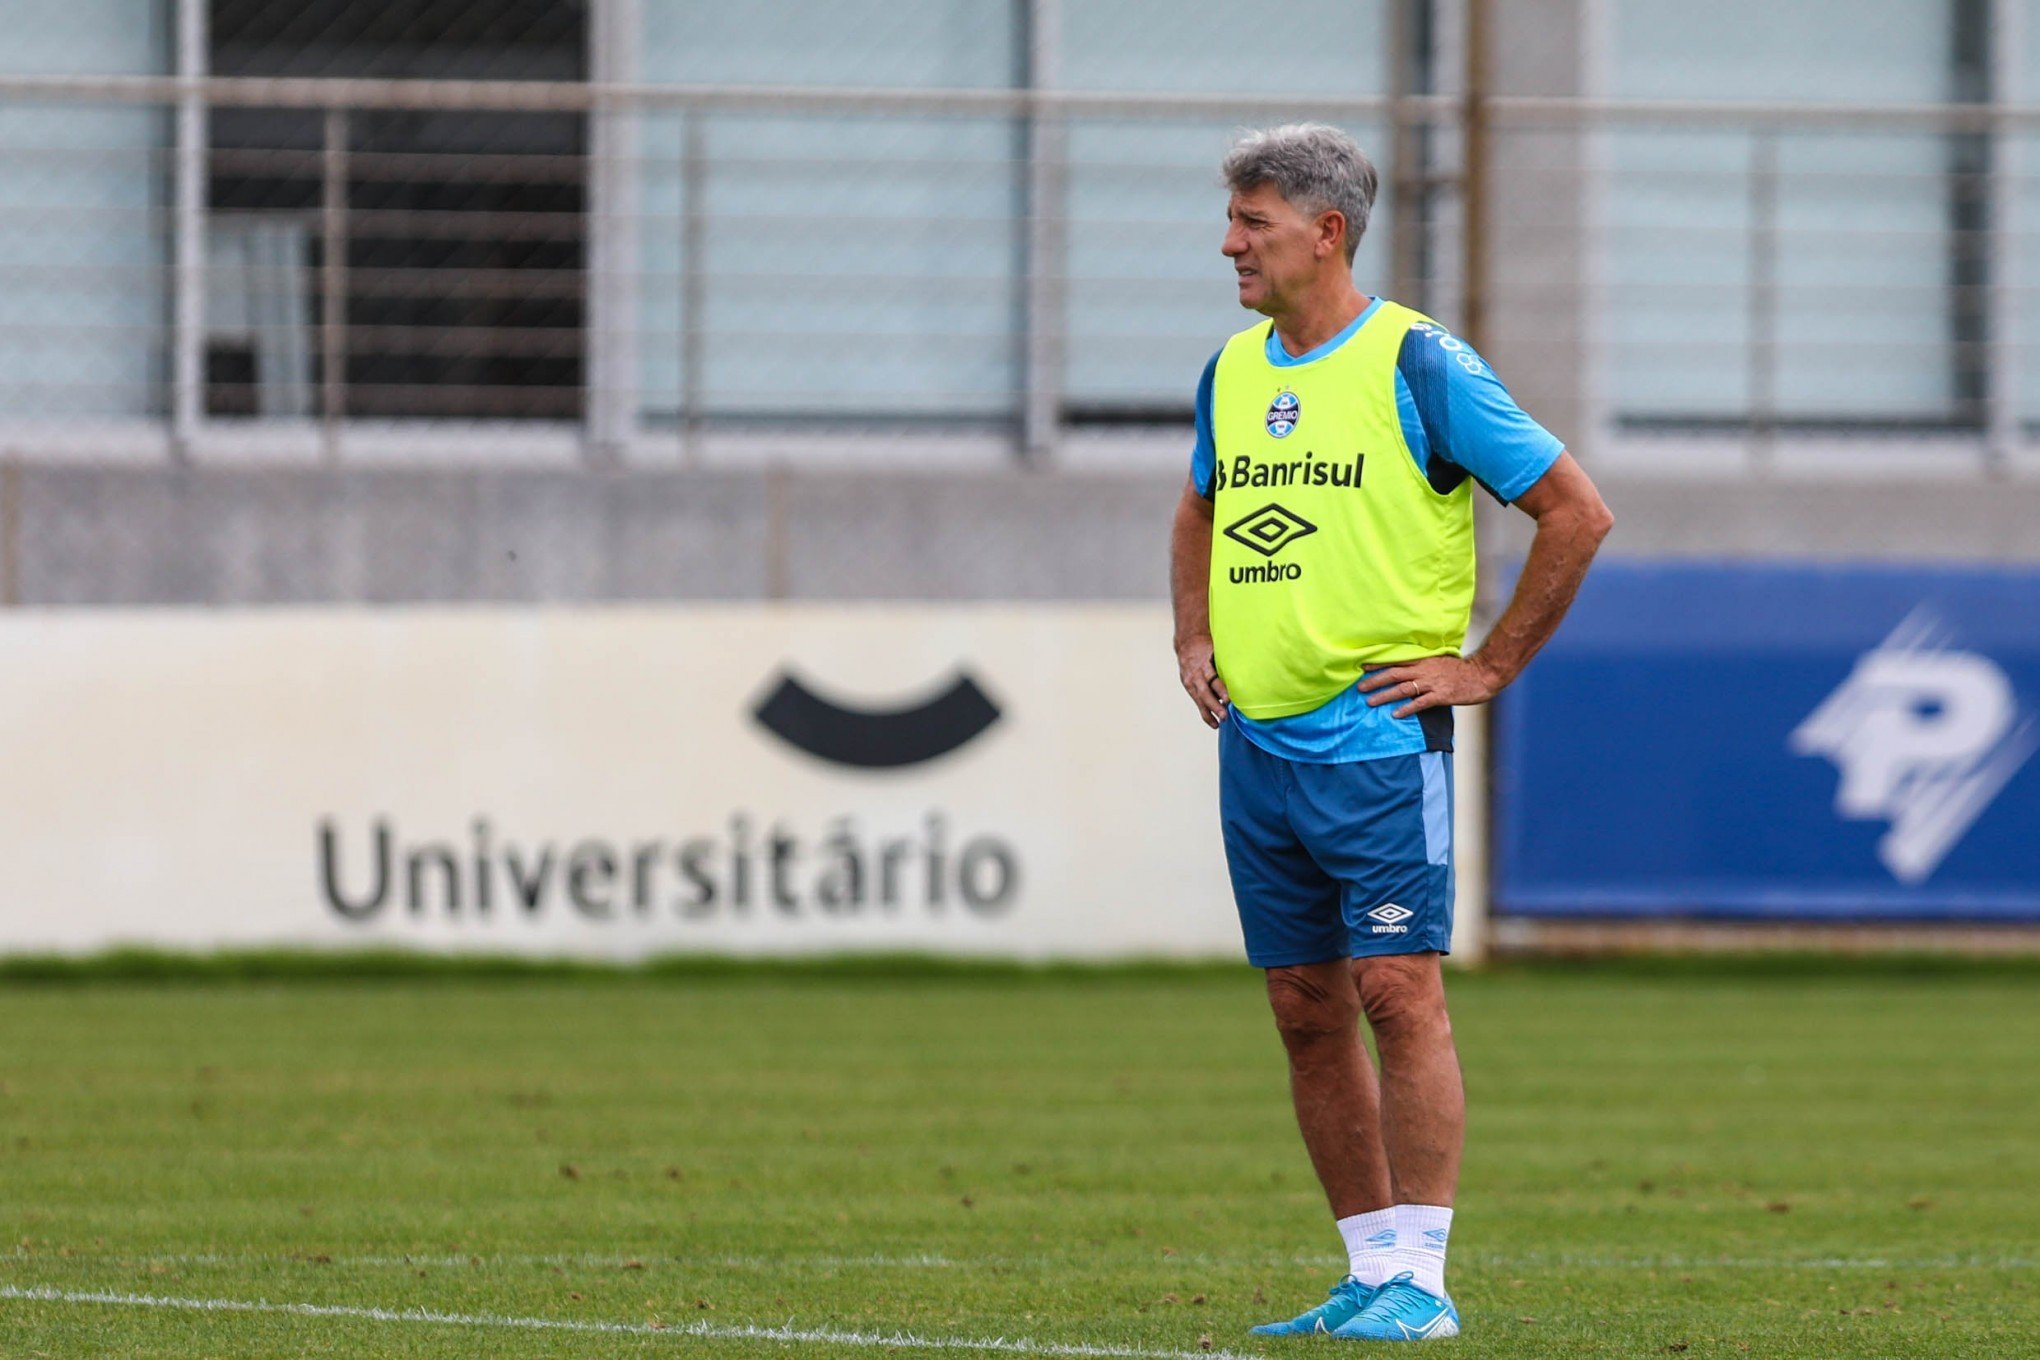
1785 741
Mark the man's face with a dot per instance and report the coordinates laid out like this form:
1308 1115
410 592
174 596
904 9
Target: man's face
1276 250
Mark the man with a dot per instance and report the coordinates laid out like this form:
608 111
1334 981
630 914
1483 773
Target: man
1320 630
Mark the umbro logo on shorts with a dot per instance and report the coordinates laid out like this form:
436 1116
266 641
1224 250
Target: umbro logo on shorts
1388 919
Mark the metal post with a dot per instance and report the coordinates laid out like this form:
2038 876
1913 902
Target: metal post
778 542
1047 138
1472 818
1473 180
1763 301
610 412
1409 165
10 530
333 285
693 224
187 321
2001 274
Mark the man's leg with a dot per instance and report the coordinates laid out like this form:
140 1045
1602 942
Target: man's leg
1292 913
1382 829
1422 1100
1317 1011
1423 1127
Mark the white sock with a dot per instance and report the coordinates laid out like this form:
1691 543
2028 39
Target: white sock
1421 1231
1370 1245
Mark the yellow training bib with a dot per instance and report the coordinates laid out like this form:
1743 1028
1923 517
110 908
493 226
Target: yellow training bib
1330 552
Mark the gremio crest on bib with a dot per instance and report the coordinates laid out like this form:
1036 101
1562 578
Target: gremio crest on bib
1283 413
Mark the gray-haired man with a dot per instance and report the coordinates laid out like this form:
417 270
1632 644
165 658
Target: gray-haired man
1337 444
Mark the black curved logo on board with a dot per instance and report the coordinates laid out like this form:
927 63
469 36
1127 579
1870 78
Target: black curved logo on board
876 738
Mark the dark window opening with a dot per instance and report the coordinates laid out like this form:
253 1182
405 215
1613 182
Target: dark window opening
462 234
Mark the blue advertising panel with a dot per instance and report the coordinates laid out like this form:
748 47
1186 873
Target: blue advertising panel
1778 741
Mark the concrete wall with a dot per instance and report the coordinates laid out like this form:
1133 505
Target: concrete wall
92 536
1778 517
187 536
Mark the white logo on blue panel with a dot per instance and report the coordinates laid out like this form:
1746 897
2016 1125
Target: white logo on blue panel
1925 737
1283 413
1389 918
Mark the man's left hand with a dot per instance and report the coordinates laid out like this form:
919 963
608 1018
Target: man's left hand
1434 682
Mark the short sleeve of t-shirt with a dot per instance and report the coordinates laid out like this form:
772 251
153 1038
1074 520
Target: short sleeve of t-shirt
1460 422
1204 456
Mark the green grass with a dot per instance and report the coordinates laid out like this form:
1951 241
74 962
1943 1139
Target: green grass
1787 1162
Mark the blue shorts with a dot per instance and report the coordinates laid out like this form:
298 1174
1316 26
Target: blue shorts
1336 861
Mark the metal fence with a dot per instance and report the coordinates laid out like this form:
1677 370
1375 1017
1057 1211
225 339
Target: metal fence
308 268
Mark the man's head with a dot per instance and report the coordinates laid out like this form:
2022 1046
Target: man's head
1300 199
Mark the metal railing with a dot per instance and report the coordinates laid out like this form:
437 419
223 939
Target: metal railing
329 267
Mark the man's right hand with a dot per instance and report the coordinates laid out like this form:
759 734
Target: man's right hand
1199 673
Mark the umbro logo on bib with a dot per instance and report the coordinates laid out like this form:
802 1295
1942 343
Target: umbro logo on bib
1269 530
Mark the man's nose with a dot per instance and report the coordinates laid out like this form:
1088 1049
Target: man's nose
1235 243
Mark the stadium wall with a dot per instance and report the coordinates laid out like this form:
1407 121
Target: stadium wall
1008 781
106 535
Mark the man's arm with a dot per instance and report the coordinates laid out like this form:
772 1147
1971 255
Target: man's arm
1190 590
1571 522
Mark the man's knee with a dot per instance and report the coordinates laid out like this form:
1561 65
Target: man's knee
1402 994
1312 1003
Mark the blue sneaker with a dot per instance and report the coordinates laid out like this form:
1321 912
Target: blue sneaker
1400 1311
1348 1297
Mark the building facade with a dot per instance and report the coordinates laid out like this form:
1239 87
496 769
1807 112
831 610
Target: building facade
635 298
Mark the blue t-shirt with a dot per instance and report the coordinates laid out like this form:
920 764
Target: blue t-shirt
1459 422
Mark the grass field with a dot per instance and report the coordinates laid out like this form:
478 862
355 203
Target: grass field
1662 1161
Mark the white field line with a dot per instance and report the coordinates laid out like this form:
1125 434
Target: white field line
583 1260
699 1330
1769 1263
929 1261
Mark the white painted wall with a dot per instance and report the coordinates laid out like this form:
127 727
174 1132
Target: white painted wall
200 780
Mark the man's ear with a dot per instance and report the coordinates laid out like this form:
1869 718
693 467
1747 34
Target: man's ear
1331 233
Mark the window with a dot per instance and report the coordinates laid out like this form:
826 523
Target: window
1801 276
823 266
460 235
1149 297
84 219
